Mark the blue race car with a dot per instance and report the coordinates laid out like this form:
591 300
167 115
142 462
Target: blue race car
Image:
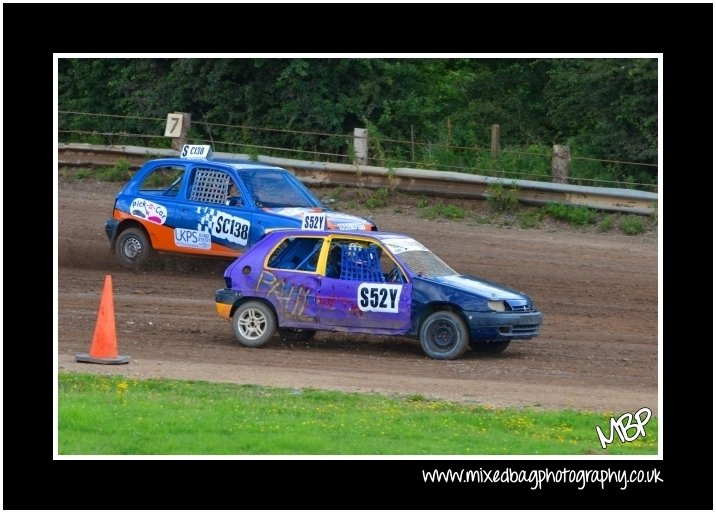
295 282
197 205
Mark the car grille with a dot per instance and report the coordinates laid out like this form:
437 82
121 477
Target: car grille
521 308
527 329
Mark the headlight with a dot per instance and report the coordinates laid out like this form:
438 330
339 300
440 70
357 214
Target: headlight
496 306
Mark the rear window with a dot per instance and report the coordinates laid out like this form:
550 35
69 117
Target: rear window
296 253
162 180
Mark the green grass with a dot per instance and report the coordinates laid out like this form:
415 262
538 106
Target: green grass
631 225
443 210
606 224
502 198
121 171
530 218
378 199
575 215
120 416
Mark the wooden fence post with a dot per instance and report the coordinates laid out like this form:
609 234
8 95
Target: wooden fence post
177 128
360 145
495 140
560 163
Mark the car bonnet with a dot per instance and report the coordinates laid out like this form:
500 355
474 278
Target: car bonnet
478 286
334 220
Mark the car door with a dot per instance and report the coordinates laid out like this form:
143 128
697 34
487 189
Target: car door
153 201
353 293
221 222
289 281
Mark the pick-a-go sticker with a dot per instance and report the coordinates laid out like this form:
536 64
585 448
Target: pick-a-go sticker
148 210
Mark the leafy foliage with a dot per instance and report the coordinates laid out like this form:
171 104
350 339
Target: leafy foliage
444 210
604 108
631 225
501 198
573 214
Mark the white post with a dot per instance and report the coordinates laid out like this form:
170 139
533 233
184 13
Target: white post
561 157
360 145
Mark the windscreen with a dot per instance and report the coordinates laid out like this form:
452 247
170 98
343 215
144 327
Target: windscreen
273 189
419 259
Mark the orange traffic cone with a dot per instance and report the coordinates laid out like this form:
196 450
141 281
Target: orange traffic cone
104 343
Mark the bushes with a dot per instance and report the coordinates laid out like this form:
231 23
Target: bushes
575 215
631 225
501 198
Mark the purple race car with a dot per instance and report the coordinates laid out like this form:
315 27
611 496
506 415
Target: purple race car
295 282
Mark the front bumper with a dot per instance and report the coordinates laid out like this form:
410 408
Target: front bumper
225 299
503 325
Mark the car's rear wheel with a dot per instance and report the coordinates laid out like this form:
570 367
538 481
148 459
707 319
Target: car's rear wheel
254 323
489 346
295 334
444 336
133 248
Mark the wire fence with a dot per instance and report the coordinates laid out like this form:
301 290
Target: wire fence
533 163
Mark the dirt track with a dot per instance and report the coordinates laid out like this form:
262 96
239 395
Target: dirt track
598 292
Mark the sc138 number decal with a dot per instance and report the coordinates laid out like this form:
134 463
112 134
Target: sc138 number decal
314 221
232 228
222 225
379 298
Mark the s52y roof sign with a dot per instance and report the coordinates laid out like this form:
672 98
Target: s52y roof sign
196 151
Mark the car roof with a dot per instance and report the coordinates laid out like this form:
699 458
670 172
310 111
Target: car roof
246 164
234 163
381 236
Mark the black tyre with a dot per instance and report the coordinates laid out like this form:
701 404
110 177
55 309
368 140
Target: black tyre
444 336
133 248
489 346
254 323
295 335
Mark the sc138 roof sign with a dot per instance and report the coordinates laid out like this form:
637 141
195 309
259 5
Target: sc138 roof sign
196 151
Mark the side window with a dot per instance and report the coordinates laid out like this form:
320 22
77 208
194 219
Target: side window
391 271
163 181
358 260
233 196
210 186
296 253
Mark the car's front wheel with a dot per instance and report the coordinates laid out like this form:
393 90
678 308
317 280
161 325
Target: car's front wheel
444 336
295 334
254 323
489 346
133 248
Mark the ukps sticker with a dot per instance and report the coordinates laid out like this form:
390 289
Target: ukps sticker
224 226
192 238
378 297
148 210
